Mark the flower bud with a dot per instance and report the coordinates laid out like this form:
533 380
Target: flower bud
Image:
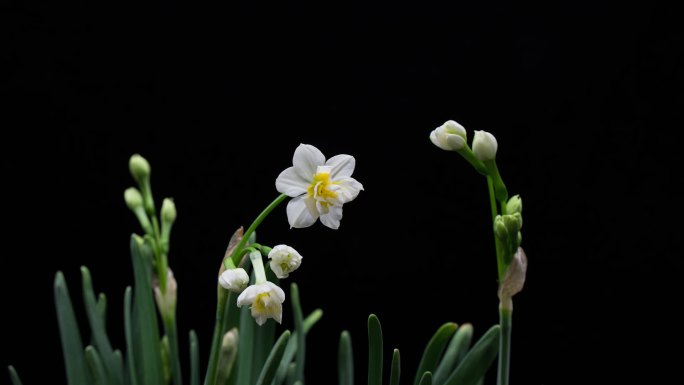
139 167
133 198
513 223
234 280
450 136
168 211
500 228
514 205
484 146
284 260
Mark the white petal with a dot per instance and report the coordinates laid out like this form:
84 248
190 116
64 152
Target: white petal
290 183
332 218
305 160
276 290
278 270
435 139
301 212
248 296
347 189
342 166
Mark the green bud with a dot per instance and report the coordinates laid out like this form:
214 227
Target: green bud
229 347
133 198
139 167
513 223
514 205
500 228
168 211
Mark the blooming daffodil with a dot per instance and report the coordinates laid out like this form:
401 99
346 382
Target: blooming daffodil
318 187
266 300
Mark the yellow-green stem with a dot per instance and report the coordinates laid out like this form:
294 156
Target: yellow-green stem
501 267
505 321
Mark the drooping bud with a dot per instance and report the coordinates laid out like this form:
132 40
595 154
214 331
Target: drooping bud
450 136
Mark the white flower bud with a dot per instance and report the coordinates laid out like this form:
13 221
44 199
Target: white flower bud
514 205
484 146
450 136
234 280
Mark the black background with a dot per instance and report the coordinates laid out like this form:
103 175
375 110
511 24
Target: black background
582 96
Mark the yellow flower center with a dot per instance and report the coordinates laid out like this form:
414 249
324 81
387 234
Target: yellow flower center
320 187
261 303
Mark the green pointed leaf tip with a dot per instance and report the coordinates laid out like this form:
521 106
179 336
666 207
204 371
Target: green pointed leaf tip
72 345
271 365
457 349
478 360
374 351
395 372
426 379
95 365
433 351
345 360
14 376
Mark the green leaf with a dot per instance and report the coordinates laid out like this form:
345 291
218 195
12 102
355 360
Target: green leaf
14 376
146 317
264 336
426 379
457 349
95 365
102 309
345 360
245 346
128 328
95 312
395 372
374 351
194 359
478 360
433 351
291 348
72 345
271 365
301 333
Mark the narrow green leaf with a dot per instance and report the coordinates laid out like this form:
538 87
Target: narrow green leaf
72 345
301 333
264 336
291 373
457 349
395 372
128 328
95 312
14 376
426 379
271 365
194 359
345 360
118 376
245 346
374 351
478 360
433 351
102 309
146 317
291 348
96 366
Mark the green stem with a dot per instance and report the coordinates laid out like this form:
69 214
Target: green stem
174 357
505 320
222 299
501 267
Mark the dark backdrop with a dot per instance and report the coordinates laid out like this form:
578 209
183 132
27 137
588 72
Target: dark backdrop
582 97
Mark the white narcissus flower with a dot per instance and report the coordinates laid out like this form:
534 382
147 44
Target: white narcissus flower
234 280
266 300
284 260
319 188
450 136
484 146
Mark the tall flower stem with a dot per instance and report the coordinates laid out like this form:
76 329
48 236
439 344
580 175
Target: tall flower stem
222 299
505 314
505 321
